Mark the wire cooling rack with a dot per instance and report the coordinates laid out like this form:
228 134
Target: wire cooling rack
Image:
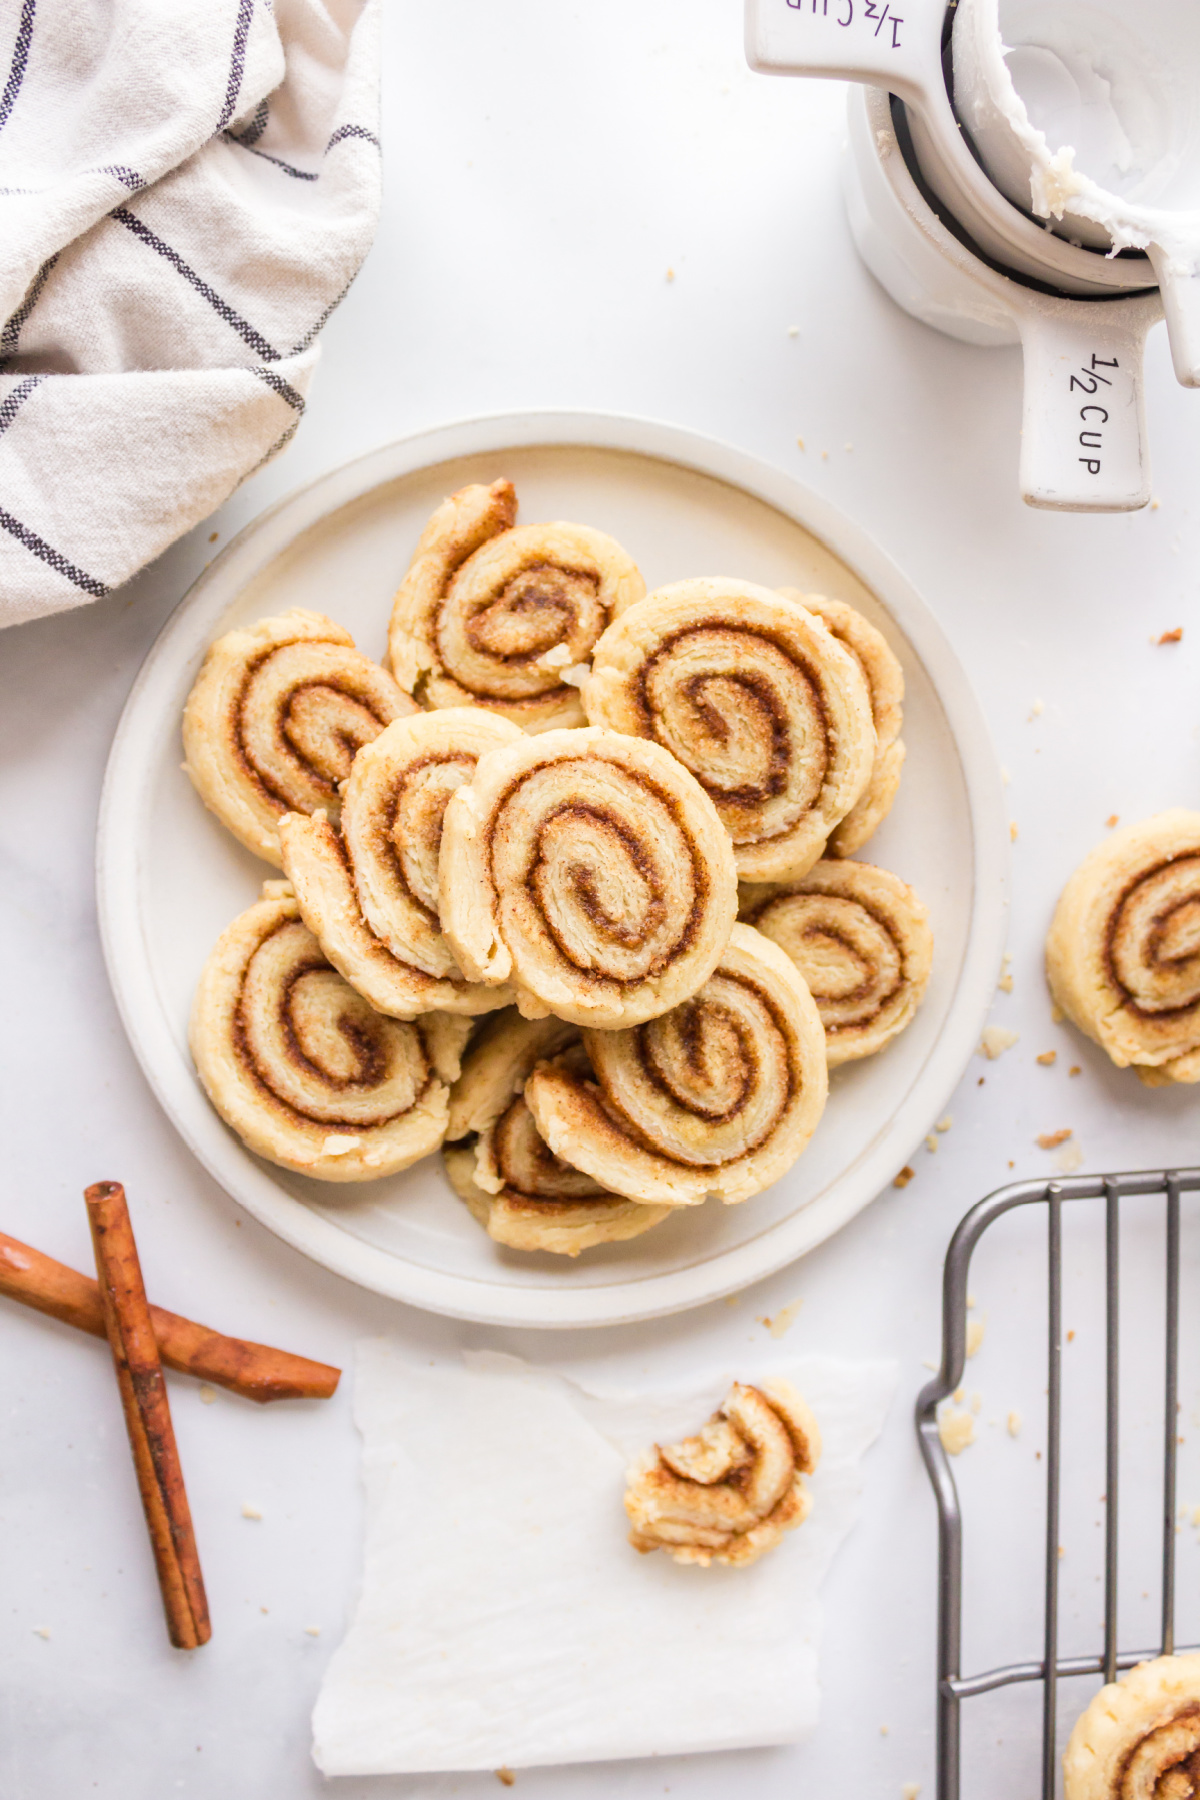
954 1687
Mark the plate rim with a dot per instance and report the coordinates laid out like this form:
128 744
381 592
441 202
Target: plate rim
247 1181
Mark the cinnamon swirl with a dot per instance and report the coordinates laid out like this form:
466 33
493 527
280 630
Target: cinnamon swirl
729 1493
752 694
1139 1738
1123 954
591 872
885 684
274 719
302 1068
503 616
719 1096
861 940
370 895
520 1192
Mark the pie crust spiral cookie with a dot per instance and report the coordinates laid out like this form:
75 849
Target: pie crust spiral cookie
885 684
718 1097
274 719
496 614
752 694
729 1493
1123 954
370 894
512 1182
1139 1738
861 939
589 870
302 1068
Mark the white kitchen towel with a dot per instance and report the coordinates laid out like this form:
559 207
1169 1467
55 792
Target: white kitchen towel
187 188
505 1621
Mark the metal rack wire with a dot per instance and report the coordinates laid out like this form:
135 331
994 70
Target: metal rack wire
953 1687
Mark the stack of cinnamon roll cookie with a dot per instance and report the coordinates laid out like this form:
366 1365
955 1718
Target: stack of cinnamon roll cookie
617 822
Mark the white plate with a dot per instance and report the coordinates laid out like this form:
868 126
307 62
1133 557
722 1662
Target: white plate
171 878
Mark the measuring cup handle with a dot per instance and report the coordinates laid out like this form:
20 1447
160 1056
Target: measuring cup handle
1083 439
893 44
1181 304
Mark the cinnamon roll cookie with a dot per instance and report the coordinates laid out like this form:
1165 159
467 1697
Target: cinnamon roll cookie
885 684
1123 954
719 1096
519 1191
370 894
274 718
591 872
304 1070
752 694
861 940
1139 1739
729 1493
505 616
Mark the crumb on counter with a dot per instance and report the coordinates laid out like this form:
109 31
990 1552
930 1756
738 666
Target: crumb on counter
945 1124
972 1302
1069 1158
1014 1424
1013 833
910 1790
1048 1058
732 1299
1113 819
1005 777
996 1040
783 1320
976 1404
1037 709
800 443
207 1394
505 1777
931 1143
1050 1140
1172 637
1005 983
670 274
313 1630
793 331
1074 1069
975 1332
956 1430
905 1176
42 1631
250 1511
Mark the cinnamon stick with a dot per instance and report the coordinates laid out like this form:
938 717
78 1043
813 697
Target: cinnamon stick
147 1416
253 1370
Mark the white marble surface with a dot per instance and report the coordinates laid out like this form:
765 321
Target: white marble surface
547 166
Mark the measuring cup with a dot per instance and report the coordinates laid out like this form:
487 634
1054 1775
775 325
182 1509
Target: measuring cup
934 61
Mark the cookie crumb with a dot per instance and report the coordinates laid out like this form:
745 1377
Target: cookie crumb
1037 709
1005 983
905 1176
207 1394
975 1331
1012 831
1069 1158
793 331
996 1040
213 536
1048 1058
1050 1140
783 1320
670 274
1074 1069
250 1511
1014 1424
313 1630
945 1124
800 443
1070 1337
931 1143
1005 777
956 1430
505 1777
42 1631
1113 819
732 1299
910 1790
1172 637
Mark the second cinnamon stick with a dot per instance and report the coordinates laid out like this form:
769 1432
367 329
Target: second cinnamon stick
148 1416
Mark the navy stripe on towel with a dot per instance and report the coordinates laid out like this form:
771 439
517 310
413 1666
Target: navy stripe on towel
20 61
222 307
58 562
